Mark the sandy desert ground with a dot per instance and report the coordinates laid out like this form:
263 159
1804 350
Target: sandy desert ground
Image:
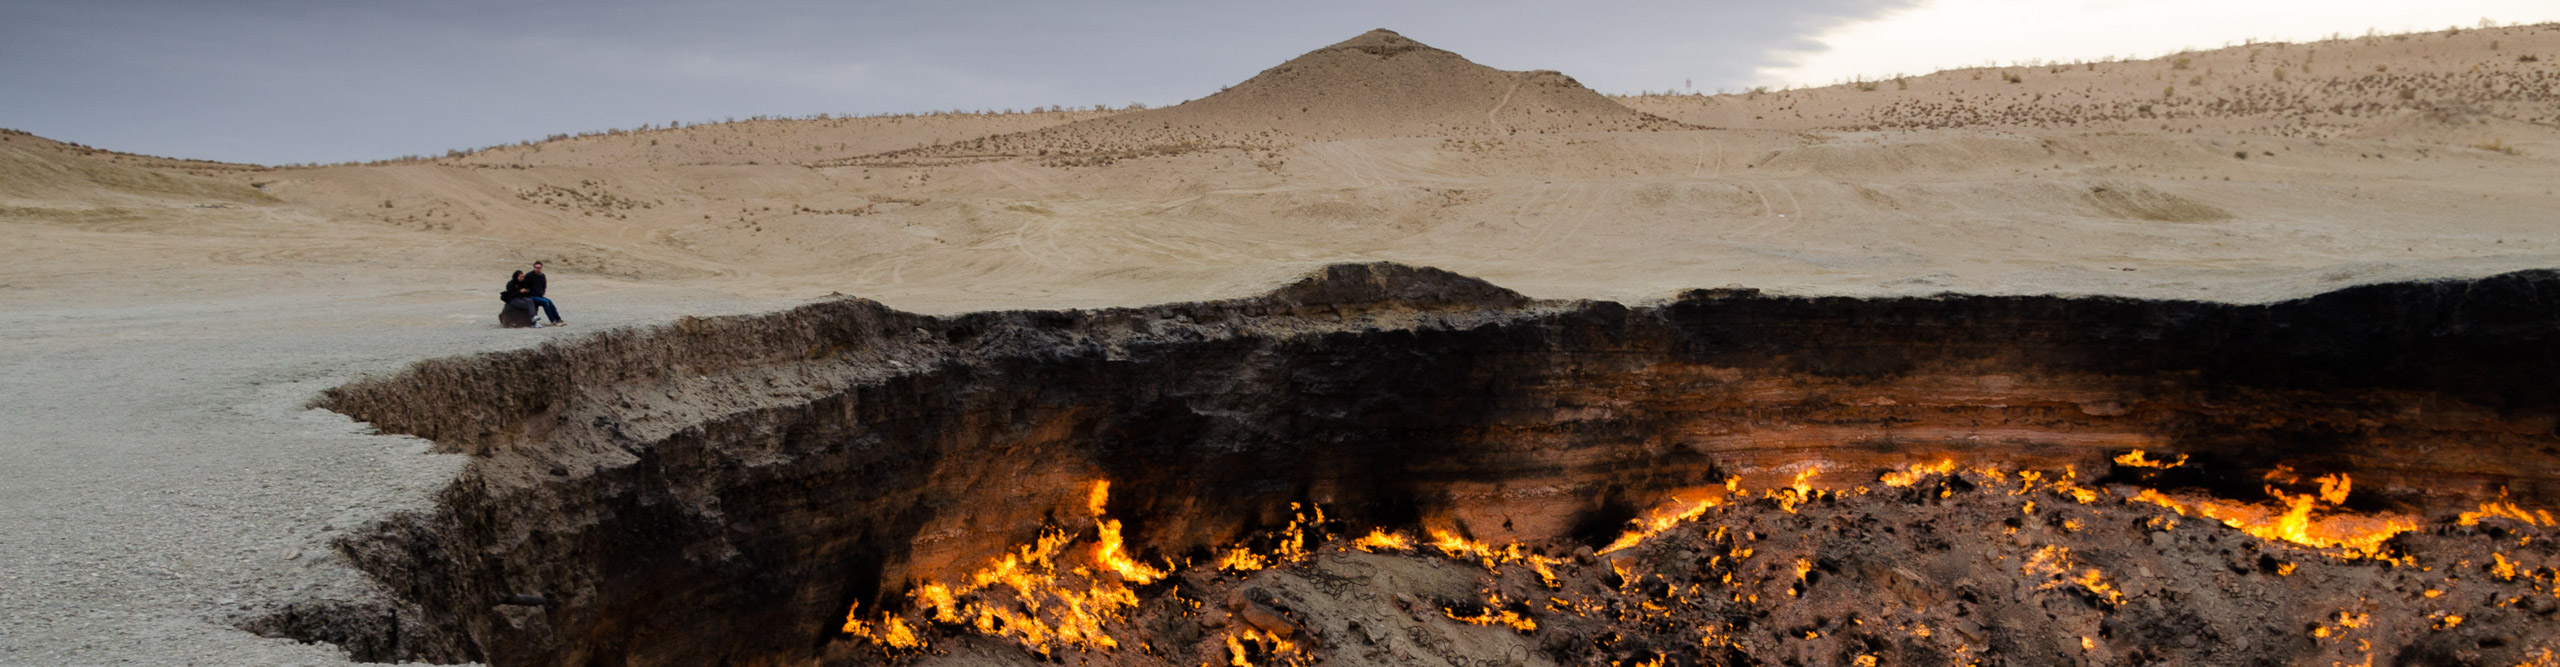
163 322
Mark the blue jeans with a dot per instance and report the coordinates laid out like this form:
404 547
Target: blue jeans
547 308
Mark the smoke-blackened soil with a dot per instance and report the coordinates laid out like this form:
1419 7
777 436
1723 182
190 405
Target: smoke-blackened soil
1960 569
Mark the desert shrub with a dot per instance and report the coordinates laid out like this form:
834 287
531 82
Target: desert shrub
2498 146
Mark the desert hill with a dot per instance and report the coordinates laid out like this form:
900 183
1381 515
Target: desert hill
2395 156
34 168
1376 85
2373 86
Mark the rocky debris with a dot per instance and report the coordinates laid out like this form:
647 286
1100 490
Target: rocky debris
1388 284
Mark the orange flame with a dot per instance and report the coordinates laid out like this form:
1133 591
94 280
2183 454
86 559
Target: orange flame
1458 547
2296 521
1098 496
2502 509
1663 518
1491 558
1276 646
2333 488
1292 543
1110 553
1494 613
1242 560
1912 474
1798 491
2055 561
891 631
2136 459
1380 540
1031 595
1235 652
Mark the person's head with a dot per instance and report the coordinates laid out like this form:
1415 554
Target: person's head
518 276
537 267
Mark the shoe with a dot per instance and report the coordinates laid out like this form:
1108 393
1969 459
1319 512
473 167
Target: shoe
558 323
537 324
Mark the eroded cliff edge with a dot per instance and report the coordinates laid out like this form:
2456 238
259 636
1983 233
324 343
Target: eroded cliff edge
725 489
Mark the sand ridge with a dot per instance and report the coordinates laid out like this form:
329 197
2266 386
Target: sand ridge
2369 87
763 141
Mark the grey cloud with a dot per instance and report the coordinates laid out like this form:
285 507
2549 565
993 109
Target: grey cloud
305 81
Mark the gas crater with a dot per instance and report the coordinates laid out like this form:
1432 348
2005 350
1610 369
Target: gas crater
1381 464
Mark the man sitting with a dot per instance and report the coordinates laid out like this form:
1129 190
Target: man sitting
531 289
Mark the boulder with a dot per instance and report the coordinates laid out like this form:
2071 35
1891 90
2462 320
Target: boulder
518 314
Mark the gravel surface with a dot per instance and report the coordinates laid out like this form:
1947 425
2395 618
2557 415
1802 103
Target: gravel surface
161 479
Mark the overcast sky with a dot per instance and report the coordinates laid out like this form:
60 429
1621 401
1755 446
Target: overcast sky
282 81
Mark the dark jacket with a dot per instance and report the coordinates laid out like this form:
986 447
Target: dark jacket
533 284
509 294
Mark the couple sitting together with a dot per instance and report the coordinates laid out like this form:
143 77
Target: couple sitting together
523 297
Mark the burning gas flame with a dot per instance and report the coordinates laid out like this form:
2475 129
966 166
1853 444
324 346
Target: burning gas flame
1493 612
1049 606
1460 547
1292 543
1493 558
1381 540
1032 595
1912 474
1097 497
2136 459
1242 560
1239 655
2296 518
1108 552
1671 514
890 631
1798 491
2502 509
1059 593
2055 561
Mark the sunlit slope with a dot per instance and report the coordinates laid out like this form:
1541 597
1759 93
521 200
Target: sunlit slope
2458 87
1531 181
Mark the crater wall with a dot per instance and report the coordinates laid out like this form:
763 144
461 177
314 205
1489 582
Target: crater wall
722 490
